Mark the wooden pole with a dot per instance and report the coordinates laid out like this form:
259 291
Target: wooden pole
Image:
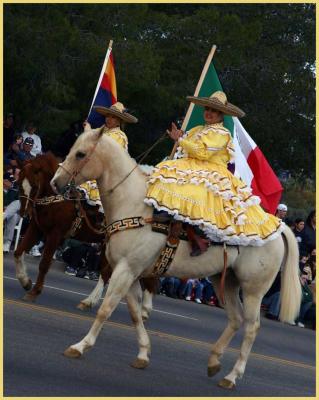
198 87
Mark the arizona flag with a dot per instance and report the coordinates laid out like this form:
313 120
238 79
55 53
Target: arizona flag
250 163
105 94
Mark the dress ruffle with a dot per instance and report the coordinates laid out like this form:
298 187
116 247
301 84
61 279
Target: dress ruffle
197 188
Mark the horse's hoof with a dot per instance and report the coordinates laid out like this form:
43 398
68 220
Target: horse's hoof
211 371
226 384
28 286
139 363
83 306
29 297
72 353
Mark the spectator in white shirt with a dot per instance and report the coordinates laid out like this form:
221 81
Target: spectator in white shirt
30 132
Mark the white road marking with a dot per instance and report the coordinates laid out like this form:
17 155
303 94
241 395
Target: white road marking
122 302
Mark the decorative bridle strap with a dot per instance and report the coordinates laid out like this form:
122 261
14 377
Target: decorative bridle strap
127 223
80 166
47 200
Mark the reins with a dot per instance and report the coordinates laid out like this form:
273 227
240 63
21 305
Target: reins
71 184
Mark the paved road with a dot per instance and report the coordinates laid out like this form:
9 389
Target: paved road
35 335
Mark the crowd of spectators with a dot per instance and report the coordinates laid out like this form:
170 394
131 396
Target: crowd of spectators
20 145
82 259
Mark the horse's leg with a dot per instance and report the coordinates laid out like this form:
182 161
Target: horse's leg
29 239
51 244
252 296
121 280
147 304
233 308
134 303
95 295
150 286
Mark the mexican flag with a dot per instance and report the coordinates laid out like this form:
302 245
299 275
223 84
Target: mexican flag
250 163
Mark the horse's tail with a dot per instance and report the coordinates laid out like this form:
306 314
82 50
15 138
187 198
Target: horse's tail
290 293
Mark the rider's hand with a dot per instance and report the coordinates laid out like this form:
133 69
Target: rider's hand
86 125
175 133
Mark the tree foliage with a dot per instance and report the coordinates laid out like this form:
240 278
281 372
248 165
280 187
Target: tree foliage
265 58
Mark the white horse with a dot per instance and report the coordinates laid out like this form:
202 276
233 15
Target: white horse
132 254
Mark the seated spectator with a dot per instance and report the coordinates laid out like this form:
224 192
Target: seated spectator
209 296
82 259
303 262
272 299
306 303
170 286
30 132
26 153
15 147
12 158
92 264
11 205
194 286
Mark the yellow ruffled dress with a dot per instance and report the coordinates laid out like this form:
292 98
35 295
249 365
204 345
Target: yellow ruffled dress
196 187
89 188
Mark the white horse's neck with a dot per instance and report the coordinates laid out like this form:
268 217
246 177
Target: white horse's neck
127 199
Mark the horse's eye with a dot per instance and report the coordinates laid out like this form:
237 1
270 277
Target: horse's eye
80 155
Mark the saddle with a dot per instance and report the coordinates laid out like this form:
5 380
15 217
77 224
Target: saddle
176 231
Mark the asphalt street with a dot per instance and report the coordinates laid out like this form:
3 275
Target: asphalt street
282 362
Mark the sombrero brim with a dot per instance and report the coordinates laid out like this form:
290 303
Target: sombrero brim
126 117
228 108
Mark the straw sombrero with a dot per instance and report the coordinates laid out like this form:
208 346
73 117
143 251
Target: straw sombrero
217 101
117 110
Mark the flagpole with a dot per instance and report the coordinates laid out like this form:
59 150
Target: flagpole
191 105
102 73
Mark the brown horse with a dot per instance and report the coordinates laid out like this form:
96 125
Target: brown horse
55 219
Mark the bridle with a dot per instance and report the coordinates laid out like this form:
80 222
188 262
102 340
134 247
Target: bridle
70 186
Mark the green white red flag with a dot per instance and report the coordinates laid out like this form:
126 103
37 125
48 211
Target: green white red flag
250 163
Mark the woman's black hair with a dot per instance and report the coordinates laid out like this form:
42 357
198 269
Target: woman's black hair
310 216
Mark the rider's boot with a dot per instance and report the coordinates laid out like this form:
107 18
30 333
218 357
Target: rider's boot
199 244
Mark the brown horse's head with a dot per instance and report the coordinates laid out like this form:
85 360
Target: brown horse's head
34 181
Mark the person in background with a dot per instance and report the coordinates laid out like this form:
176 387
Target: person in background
306 303
272 299
15 146
170 286
309 234
298 231
11 210
30 132
209 296
196 287
281 211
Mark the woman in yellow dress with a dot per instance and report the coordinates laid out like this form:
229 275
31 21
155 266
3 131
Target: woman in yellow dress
197 188
115 117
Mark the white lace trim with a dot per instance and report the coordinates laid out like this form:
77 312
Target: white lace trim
219 235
